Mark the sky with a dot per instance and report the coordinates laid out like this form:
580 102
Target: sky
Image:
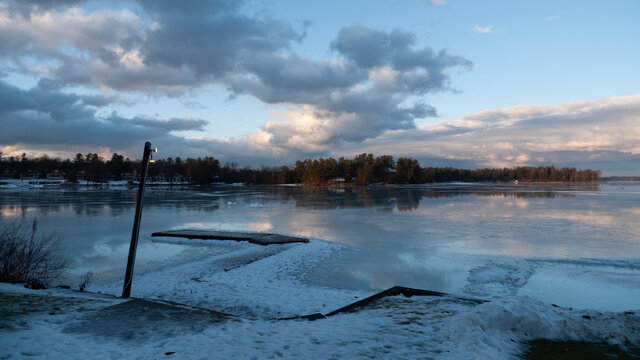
264 82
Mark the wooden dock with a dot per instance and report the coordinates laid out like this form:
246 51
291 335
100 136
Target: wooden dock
252 237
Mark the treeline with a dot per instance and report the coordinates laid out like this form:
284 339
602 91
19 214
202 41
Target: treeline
367 169
362 169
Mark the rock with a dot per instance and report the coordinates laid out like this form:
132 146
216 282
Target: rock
35 285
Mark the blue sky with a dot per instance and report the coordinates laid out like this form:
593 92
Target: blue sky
460 83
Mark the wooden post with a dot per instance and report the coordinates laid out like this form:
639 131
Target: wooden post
128 277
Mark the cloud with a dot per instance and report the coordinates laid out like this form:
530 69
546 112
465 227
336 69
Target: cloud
436 2
601 134
212 38
373 81
43 117
357 96
26 7
53 35
174 124
552 18
483 30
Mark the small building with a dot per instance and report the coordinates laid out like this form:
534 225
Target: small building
126 177
30 175
56 175
337 180
177 178
8 175
148 179
161 178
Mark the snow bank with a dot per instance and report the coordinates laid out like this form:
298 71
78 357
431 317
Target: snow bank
496 329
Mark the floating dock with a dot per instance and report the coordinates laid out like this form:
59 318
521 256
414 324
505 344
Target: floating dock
252 237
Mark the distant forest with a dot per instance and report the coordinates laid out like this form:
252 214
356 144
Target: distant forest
362 169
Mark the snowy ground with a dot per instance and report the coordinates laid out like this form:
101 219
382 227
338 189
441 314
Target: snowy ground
262 283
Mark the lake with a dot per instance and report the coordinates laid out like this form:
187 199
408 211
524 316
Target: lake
575 245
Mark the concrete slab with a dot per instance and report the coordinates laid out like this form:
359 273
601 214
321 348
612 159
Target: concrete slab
138 319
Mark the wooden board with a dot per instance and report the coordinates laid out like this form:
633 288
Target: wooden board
252 237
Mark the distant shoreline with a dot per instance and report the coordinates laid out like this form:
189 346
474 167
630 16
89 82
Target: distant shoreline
57 184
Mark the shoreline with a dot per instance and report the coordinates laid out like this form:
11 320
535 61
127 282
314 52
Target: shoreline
49 184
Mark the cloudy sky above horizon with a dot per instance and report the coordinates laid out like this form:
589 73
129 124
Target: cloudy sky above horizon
266 82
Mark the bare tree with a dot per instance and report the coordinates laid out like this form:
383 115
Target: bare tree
26 257
85 280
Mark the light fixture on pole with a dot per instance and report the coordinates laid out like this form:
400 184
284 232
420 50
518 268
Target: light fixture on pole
128 277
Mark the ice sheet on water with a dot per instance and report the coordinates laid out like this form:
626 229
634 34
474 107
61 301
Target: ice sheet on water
258 206
631 264
498 278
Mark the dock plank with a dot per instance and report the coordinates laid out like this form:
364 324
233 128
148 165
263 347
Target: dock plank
252 237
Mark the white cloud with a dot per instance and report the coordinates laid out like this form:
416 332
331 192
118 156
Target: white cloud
436 2
483 30
595 133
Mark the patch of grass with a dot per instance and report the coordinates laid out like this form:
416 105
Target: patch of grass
542 349
17 309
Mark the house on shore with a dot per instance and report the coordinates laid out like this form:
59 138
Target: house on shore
147 180
56 175
30 175
107 178
8 175
177 179
82 175
126 177
161 178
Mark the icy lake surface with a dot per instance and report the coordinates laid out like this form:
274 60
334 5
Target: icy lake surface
572 245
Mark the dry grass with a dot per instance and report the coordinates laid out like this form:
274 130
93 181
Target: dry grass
577 350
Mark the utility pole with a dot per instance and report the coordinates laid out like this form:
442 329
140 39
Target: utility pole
128 277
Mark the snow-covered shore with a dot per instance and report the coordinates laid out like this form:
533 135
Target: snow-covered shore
262 283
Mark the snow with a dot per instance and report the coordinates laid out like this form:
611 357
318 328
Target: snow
269 285
263 283
494 329
497 278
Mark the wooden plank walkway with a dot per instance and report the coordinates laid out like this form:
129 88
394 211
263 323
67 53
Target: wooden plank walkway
252 237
